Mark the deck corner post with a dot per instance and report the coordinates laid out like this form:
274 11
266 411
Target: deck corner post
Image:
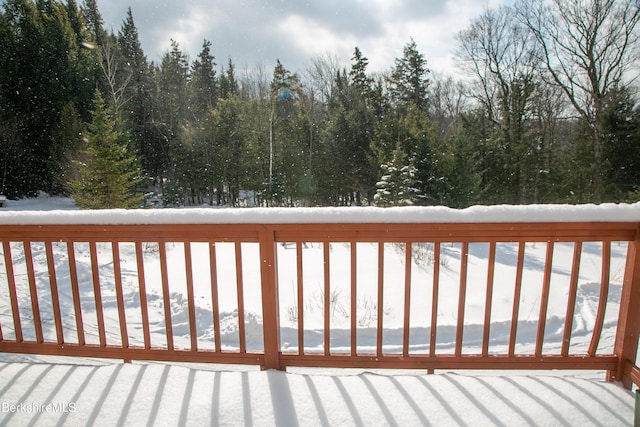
270 311
626 343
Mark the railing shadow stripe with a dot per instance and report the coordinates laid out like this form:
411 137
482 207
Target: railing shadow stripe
596 399
246 399
188 395
132 393
419 412
215 399
580 408
322 413
104 395
628 404
442 401
546 405
23 398
353 411
155 406
60 385
501 395
474 400
81 390
284 410
378 399
8 384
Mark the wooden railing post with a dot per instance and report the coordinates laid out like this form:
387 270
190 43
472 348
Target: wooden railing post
626 344
270 311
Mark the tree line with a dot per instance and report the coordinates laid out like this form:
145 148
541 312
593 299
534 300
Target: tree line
547 113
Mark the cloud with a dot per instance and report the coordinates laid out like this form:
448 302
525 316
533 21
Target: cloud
257 32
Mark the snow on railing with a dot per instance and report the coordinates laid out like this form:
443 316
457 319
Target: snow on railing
507 287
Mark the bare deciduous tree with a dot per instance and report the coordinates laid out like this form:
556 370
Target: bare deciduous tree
587 47
499 53
117 77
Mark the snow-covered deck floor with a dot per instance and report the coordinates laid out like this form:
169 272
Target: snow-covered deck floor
61 393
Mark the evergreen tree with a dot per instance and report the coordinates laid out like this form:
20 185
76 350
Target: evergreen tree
398 185
108 177
228 84
203 85
172 81
408 82
173 77
286 165
140 95
65 152
40 74
94 22
412 133
622 145
350 125
461 164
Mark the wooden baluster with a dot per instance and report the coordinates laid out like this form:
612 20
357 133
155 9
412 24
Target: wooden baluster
33 291
354 298
379 334
191 305
602 300
215 306
464 255
300 287
75 291
117 275
544 298
13 296
516 299
327 297
491 264
240 294
407 297
142 286
55 300
166 296
571 302
97 293
434 302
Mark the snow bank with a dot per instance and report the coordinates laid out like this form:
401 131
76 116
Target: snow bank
436 214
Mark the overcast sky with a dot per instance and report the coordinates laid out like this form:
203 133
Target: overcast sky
253 32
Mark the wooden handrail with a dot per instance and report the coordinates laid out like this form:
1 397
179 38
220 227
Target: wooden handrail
19 241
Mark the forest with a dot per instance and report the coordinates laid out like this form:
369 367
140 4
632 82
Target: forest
547 113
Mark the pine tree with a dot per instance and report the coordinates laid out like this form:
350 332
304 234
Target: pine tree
228 85
398 185
408 81
203 86
94 22
286 166
41 73
151 145
110 173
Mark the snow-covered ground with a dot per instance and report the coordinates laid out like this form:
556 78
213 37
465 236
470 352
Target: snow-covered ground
324 397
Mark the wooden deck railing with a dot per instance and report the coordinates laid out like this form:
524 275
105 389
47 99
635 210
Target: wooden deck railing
63 284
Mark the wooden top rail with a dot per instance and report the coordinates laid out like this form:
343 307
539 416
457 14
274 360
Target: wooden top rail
365 232
103 267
